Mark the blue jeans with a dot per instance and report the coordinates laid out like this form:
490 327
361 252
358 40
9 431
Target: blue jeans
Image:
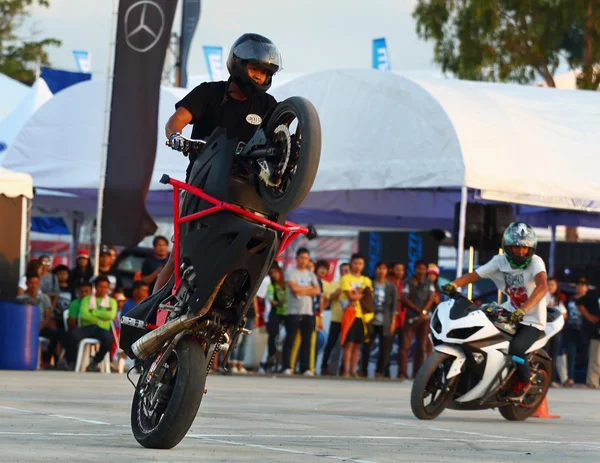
240 351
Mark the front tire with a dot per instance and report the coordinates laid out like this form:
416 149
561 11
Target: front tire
302 168
431 381
168 425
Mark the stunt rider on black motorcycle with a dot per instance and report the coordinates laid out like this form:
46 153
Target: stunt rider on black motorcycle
238 105
521 275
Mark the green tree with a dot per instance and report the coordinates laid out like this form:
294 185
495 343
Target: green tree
19 57
512 40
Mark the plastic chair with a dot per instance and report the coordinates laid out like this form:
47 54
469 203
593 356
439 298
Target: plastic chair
87 348
66 320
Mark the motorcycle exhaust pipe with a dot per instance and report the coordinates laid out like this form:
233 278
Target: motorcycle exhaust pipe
151 342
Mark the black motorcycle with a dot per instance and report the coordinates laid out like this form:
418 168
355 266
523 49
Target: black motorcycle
230 224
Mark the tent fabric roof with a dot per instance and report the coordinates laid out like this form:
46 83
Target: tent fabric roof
61 144
12 92
14 184
382 131
37 95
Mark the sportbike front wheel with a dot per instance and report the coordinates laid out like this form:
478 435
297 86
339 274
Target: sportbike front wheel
294 128
431 390
161 415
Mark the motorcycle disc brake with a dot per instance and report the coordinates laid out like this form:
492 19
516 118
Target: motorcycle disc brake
265 171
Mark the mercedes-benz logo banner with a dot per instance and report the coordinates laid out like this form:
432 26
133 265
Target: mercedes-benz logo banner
143 33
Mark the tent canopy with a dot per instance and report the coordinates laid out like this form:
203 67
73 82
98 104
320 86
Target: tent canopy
62 143
395 151
37 95
14 184
12 92
383 131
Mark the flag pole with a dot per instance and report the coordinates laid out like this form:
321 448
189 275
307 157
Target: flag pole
104 152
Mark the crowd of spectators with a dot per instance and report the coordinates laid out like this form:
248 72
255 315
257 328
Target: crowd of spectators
381 310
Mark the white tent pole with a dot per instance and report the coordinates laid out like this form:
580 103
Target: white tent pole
104 154
552 250
461 231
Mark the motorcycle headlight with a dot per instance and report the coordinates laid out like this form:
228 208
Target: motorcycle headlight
436 324
464 333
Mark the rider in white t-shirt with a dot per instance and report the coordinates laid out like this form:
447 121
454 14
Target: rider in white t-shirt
521 275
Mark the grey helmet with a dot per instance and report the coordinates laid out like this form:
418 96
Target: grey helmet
522 235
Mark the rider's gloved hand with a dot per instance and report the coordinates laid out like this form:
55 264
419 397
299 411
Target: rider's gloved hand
449 288
177 142
516 316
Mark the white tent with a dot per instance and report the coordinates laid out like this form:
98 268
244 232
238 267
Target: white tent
62 143
12 92
14 184
37 95
518 143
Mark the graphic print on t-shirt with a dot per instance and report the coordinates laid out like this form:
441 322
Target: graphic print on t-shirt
515 289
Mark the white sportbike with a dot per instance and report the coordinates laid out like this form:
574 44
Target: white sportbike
470 367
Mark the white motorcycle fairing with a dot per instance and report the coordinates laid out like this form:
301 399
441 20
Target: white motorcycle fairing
482 338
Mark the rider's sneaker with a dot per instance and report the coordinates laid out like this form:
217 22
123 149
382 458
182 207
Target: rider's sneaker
518 390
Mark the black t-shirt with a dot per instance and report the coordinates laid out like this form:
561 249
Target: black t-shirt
212 108
590 302
150 265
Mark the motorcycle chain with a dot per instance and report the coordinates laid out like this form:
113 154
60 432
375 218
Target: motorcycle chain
215 352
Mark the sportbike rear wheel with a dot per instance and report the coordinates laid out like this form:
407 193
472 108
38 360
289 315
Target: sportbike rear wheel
541 369
161 415
294 128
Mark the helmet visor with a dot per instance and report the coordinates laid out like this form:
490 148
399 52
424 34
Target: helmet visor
263 54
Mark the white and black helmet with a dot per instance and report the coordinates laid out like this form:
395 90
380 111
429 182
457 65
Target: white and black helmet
256 49
522 235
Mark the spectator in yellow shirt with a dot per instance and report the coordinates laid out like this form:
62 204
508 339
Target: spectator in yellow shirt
352 286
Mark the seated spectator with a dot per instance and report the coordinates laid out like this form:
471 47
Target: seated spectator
33 268
140 291
84 290
96 314
64 290
48 324
49 282
153 265
82 273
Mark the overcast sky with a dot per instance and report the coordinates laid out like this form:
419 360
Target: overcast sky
312 34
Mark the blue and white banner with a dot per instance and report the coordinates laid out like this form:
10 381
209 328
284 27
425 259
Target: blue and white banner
381 59
83 60
214 61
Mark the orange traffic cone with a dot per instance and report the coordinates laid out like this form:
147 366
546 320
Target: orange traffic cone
542 411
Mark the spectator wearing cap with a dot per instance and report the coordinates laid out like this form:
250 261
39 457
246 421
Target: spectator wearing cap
82 273
96 314
153 265
104 268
